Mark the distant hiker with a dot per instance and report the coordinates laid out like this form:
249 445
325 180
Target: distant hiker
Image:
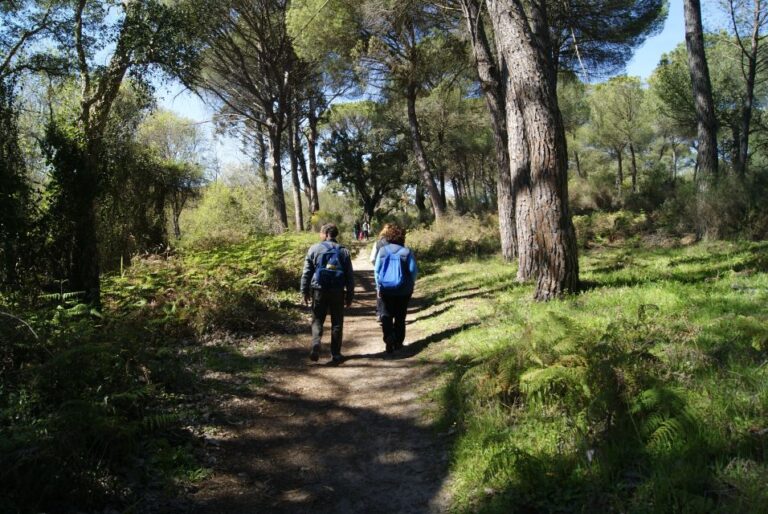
327 284
357 230
395 275
382 241
366 229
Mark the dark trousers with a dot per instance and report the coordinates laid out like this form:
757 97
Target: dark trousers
393 312
322 302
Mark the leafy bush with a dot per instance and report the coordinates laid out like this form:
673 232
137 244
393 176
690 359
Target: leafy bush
462 237
602 227
226 215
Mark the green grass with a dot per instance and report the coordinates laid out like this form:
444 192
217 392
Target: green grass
647 392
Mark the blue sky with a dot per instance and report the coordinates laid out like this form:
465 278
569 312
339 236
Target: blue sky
642 64
647 56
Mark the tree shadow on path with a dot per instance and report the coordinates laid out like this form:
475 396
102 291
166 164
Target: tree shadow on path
325 439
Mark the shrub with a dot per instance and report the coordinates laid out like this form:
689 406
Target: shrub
462 237
226 215
609 227
93 405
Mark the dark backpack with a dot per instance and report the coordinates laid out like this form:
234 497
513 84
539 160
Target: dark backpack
329 270
393 272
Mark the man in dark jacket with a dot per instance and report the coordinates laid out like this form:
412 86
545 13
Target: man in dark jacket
328 284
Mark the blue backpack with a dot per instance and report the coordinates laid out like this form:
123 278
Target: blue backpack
329 272
393 272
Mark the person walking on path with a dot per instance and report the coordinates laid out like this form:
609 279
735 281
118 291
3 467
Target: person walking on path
356 229
381 242
366 229
395 275
328 284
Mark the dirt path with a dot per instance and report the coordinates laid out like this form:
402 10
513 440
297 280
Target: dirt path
346 439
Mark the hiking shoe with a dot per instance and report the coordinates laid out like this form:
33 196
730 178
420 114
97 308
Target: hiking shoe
314 355
336 360
390 344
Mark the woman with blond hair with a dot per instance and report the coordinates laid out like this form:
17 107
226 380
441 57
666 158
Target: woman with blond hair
395 274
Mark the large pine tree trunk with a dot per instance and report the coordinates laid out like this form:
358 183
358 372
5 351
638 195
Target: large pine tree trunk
537 118
493 90
520 173
427 179
706 157
278 195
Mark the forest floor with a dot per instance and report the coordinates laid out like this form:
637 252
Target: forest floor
313 437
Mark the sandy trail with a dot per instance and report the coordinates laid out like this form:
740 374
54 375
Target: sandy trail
342 439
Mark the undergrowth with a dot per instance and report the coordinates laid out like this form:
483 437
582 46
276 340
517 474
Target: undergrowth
647 392
99 407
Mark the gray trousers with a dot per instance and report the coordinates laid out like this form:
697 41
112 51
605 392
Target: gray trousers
322 303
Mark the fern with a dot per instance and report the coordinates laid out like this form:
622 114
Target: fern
159 422
555 379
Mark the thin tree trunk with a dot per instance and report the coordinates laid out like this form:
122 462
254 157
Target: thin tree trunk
620 175
298 211
674 164
456 194
427 179
536 118
581 173
299 150
420 201
634 167
278 195
493 89
312 154
751 55
706 157
262 169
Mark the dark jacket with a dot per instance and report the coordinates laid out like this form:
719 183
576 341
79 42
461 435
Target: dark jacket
308 281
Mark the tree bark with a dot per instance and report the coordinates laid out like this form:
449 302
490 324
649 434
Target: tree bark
581 173
750 53
299 150
420 201
634 167
427 179
262 169
706 157
278 195
535 118
620 175
491 82
298 211
312 154
85 273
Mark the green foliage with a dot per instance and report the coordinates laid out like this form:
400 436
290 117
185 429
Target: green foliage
601 228
15 196
363 153
226 214
464 237
95 407
645 393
